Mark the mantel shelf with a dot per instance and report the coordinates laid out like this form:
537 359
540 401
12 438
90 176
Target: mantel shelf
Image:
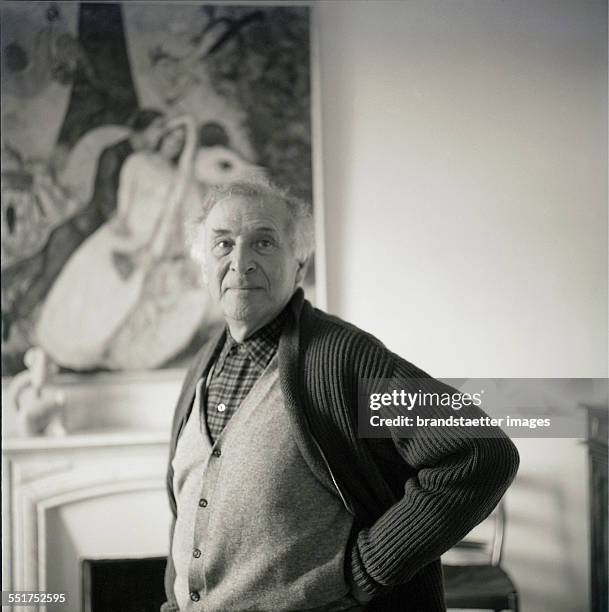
91 439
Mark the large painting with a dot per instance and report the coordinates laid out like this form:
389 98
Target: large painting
116 117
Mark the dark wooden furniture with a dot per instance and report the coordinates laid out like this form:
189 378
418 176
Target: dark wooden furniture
482 586
597 462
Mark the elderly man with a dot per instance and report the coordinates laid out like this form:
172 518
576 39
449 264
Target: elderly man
277 504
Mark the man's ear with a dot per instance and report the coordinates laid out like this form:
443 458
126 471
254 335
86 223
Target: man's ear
301 272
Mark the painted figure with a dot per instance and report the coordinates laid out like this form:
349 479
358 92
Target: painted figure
26 283
104 279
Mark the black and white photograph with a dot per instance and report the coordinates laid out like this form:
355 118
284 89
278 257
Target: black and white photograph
304 305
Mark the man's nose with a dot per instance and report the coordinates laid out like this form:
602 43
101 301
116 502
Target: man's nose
242 260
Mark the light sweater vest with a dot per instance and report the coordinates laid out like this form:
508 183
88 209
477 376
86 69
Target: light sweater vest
255 529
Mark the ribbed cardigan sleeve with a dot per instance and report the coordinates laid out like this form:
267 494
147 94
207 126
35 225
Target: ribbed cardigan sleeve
459 478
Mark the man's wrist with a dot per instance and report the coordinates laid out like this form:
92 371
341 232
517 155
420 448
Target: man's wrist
357 579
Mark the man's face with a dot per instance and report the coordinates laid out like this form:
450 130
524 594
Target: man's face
250 266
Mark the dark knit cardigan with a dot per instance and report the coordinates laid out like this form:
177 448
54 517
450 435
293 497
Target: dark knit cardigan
412 498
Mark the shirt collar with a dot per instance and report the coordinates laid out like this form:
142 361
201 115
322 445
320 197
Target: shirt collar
261 345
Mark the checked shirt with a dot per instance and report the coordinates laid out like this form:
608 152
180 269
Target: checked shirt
237 368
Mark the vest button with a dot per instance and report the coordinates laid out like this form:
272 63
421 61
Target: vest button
221 407
203 502
196 553
217 452
195 596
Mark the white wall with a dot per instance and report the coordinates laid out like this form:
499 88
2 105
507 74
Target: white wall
465 185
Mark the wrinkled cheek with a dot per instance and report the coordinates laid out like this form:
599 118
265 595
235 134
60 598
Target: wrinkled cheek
213 290
214 285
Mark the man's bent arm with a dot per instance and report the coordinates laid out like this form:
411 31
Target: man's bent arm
460 478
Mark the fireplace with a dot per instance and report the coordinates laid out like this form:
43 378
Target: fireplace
94 501
129 585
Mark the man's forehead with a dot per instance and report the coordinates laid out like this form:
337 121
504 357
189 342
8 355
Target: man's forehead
238 212
228 228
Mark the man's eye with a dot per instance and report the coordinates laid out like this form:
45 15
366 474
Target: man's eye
222 247
264 244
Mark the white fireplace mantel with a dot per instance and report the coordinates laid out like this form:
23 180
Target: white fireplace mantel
97 492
